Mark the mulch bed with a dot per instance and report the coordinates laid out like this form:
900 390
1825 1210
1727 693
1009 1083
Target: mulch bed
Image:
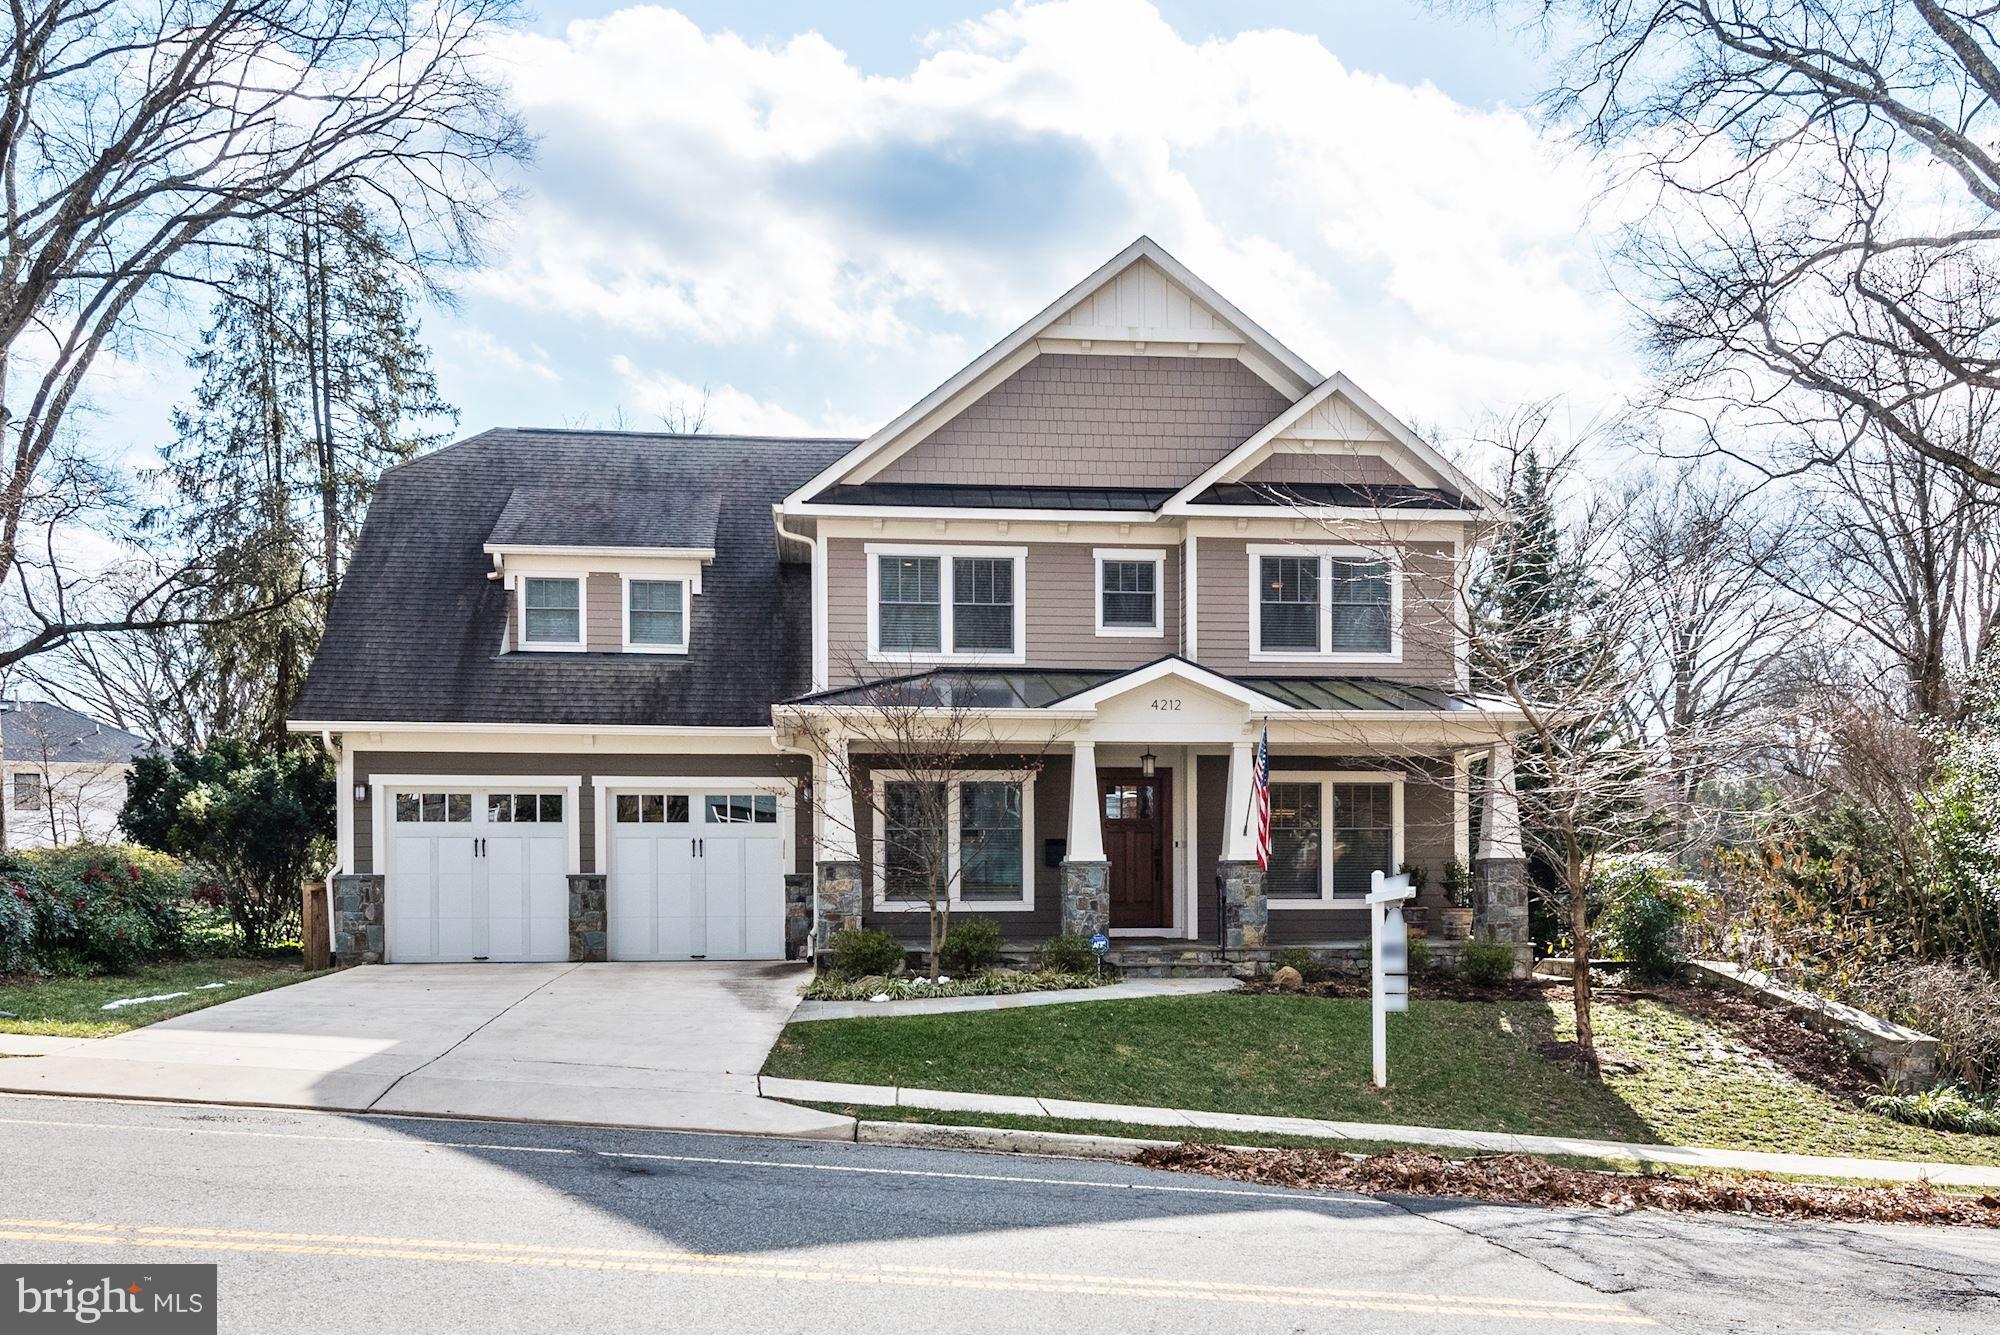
1523 1179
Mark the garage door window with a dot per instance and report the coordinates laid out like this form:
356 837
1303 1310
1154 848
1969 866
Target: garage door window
434 808
652 809
524 808
741 809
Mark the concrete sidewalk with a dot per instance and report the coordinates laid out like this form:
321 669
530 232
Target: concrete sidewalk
1680 1156
1128 991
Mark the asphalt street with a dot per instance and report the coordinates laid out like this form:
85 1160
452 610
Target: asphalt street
331 1222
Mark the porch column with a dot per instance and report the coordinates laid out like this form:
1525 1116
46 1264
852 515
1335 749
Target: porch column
1086 873
1500 868
1245 913
836 861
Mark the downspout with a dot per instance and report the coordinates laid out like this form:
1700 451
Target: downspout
343 824
819 645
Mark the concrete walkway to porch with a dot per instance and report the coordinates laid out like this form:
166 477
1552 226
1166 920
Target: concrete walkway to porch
1126 991
1498 1142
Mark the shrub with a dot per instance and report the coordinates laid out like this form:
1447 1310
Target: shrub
860 951
257 823
1486 962
1957 1004
1942 1108
1458 884
1647 908
91 908
1303 960
1420 955
1068 954
970 946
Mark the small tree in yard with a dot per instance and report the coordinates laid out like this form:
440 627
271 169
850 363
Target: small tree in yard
259 823
914 752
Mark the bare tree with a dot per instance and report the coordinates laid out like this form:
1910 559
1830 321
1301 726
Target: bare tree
1820 200
136 141
1712 626
936 786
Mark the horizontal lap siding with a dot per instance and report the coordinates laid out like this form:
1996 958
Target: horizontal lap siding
604 620
1039 923
1222 571
1097 421
1060 585
501 765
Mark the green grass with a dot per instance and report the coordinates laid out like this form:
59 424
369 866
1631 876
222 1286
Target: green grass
73 1007
1451 1063
1456 1064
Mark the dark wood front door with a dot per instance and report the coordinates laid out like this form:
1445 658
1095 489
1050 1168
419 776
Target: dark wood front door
1138 831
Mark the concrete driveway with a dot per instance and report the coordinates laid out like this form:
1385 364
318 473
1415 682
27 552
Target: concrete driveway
674 1046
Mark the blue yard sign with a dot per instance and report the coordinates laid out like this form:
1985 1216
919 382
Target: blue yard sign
1099 942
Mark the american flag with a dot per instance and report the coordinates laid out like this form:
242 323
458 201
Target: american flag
1260 797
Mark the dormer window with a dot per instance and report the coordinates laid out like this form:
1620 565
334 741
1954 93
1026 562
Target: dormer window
656 616
551 613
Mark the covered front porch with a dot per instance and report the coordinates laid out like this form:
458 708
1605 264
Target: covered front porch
1128 808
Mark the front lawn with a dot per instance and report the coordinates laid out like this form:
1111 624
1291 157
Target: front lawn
1463 1064
74 1007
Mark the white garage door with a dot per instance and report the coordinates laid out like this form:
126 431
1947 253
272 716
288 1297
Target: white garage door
477 875
695 874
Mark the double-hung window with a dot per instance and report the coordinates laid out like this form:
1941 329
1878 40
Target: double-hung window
945 603
1335 604
656 616
551 612
968 839
1129 592
1329 833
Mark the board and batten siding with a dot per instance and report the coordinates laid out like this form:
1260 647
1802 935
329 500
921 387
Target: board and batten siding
1060 582
1224 610
1094 420
499 766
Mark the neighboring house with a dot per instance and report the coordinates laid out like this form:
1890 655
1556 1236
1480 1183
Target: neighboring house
64 774
568 673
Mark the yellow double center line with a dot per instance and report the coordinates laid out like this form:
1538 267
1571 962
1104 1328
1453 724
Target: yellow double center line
552 1257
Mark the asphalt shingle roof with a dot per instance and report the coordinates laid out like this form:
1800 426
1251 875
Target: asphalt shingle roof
416 629
606 517
37 731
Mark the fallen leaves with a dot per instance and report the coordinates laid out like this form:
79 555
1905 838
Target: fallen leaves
1524 1179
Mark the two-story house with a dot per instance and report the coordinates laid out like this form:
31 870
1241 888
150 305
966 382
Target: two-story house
571 676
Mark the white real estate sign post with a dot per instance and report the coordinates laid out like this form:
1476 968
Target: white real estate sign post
1389 954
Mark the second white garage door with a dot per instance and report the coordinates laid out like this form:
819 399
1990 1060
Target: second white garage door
695 874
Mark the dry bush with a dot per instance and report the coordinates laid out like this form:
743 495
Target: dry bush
1957 1004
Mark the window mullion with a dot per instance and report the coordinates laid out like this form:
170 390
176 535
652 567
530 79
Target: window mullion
1325 604
1326 818
947 599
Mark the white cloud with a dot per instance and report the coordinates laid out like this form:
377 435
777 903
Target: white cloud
722 409
482 347
764 198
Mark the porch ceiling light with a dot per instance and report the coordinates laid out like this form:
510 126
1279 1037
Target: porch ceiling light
1146 762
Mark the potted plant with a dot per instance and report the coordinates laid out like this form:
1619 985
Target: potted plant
1416 916
1455 922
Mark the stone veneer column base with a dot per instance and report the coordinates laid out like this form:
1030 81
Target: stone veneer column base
587 924
837 897
1086 898
798 913
1500 898
1246 914
357 919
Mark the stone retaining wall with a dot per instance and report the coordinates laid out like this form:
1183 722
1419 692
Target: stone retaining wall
1905 1058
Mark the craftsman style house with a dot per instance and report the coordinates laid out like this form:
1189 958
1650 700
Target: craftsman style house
611 695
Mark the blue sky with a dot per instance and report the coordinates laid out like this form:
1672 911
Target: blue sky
814 213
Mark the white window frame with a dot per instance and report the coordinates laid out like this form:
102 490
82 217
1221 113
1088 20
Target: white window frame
1390 556
879 844
1158 558
1326 779
521 640
625 583
947 586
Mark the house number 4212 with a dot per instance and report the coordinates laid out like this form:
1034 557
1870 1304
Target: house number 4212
1170 703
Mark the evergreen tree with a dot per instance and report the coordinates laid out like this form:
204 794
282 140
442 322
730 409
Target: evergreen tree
313 380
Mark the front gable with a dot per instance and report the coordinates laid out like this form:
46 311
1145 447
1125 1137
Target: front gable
1140 372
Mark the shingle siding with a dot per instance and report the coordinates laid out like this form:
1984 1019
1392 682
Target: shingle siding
1097 421
1349 469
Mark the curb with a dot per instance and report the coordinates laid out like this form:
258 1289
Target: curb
1001 1140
